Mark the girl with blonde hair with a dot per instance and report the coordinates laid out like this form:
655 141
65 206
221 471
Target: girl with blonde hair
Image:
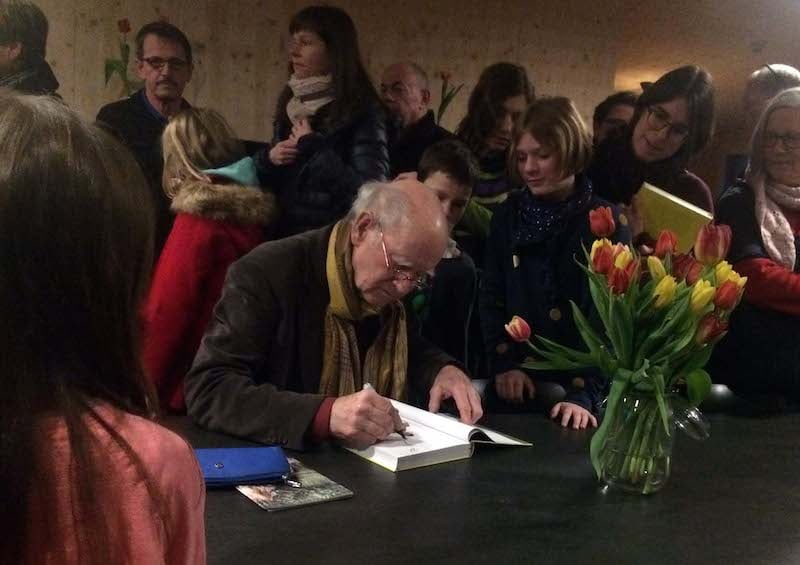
535 237
221 215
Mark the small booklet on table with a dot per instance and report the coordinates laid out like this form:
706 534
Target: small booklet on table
309 487
661 210
430 439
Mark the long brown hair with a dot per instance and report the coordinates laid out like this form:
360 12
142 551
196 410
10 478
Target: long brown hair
353 90
497 83
76 225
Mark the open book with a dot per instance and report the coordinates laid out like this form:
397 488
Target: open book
661 210
430 439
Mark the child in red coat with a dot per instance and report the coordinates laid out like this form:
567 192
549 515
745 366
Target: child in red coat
220 215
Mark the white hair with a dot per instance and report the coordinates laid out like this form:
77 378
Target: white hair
787 99
386 202
773 78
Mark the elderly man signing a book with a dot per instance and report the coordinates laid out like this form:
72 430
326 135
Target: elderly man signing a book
305 322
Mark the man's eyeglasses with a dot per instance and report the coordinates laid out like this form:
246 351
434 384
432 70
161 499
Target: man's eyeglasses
791 141
420 280
157 63
396 89
658 119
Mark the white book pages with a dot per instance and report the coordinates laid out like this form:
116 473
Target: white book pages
430 439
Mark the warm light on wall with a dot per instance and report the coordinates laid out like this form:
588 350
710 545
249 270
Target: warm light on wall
631 79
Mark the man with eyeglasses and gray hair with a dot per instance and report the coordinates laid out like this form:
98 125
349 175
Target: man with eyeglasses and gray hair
307 322
763 84
23 46
406 93
164 64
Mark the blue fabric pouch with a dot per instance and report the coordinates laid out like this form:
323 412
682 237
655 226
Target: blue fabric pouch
233 466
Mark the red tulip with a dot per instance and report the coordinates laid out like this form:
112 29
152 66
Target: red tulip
727 295
666 244
710 329
601 221
518 329
619 279
712 244
123 25
685 267
603 259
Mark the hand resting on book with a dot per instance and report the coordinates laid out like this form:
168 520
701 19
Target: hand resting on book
452 382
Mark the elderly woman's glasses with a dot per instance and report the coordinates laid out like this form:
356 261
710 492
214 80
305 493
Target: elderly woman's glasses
403 274
658 119
791 141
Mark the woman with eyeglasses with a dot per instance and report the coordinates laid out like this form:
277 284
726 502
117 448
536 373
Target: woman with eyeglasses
760 357
672 122
536 235
329 129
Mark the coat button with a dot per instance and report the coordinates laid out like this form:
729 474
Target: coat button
502 348
555 314
623 219
219 465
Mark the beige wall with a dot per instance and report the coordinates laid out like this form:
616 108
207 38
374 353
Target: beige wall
579 48
241 65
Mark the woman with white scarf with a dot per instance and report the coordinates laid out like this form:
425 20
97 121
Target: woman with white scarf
760 357
329 129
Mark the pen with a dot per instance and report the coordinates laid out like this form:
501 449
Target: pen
399 431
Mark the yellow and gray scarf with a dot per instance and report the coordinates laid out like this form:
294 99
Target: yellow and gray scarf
386 363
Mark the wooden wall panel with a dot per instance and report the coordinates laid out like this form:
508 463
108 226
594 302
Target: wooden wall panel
578 48
241 62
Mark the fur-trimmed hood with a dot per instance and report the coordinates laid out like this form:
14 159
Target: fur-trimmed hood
230 202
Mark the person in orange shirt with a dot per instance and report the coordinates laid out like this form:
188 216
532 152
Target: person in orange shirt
86 475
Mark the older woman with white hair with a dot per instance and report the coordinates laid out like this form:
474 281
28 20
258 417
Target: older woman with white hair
761 354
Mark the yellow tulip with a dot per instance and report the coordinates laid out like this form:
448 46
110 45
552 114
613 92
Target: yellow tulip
723 270
656 268
621 261
702 293
598 243
737 278
664 290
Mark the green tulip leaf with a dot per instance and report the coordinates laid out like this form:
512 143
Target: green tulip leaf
112 67
698 385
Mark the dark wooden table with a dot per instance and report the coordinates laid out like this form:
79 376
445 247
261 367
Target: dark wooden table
733 499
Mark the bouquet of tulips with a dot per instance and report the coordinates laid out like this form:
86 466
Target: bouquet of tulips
658 318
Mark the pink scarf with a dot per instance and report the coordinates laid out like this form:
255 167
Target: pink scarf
776 232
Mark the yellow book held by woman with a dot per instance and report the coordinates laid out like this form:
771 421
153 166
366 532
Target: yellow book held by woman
661 210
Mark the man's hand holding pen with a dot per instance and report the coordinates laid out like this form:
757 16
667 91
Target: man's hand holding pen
363 418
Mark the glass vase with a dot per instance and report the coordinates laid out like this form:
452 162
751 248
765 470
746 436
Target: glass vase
637 451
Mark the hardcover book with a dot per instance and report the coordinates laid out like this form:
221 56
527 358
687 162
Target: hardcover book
430 439
661 210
